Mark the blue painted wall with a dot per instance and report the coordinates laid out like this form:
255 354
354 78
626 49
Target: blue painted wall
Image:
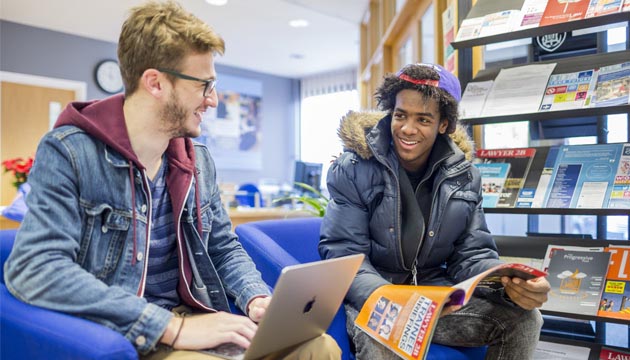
35 51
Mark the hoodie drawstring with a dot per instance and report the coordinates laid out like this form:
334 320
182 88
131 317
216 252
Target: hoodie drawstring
133 212
198 203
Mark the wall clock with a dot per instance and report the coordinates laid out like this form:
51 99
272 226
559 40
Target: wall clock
108 76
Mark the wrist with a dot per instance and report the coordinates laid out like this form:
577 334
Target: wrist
172 329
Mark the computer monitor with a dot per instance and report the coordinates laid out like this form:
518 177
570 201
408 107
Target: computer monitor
308 173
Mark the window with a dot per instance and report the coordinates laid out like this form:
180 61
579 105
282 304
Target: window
319 122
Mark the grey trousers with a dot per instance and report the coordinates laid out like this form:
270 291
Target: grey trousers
509 331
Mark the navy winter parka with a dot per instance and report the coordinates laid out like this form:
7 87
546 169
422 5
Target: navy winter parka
364 214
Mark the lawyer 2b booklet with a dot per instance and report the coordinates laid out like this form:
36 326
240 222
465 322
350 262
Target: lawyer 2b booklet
403 317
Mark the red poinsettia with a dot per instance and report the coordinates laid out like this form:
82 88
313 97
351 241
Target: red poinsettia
20 168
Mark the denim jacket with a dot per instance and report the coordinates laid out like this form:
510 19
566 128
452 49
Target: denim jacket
82 247
364 214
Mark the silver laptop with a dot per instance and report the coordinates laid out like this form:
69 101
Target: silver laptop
304 303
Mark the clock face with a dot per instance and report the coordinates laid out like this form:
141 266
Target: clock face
108 77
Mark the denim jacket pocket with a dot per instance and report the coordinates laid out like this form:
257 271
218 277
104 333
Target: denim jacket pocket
105 233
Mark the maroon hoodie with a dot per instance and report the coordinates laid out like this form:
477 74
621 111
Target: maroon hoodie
105 121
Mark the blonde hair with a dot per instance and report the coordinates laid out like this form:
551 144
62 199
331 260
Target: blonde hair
160 35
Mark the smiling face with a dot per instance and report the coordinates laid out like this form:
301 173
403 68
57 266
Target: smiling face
415 126
181 114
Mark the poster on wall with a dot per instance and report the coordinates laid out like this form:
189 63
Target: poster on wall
232 130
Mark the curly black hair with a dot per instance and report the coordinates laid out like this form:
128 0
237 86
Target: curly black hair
386 93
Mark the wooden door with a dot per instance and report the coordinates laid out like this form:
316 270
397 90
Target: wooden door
24 119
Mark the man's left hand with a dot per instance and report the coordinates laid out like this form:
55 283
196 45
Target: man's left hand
528 294
257 308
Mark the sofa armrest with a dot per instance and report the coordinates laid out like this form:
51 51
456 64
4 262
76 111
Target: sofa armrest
30 332
268 256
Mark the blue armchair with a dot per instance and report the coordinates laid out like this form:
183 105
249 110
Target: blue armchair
30 332
274 244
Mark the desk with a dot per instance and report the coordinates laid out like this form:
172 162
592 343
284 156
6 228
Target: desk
245 215
238 216
6 224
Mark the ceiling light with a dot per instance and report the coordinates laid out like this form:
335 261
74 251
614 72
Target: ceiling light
297 23
217 2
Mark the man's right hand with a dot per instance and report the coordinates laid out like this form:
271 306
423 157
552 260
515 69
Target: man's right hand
210 330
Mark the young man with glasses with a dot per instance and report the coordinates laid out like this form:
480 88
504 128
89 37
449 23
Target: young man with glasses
125 224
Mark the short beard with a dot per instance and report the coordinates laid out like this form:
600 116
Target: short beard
173 117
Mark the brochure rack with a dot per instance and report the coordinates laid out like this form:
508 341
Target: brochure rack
535 246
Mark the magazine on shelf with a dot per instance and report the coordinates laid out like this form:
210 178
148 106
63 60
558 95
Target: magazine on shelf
583 176
474 99
620 194
568 91
551 250
626 5
561 11
491 16
615 301
500 22
403 317
534 191
613 85
518 90
520 161
531 13
603 7
609 353
577 281
493 176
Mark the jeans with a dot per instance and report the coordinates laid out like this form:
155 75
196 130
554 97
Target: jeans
509 331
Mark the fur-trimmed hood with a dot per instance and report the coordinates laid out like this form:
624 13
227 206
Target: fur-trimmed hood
355 125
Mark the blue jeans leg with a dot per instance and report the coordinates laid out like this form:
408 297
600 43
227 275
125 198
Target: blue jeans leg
509 331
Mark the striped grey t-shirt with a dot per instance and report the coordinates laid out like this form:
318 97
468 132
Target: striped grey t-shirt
162 274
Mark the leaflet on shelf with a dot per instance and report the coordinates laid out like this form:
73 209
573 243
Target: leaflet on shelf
569 90
577 281
531 13
620 194
518 90
489 17
583 176
615 301
520 161
603 7
403 317
613 85
474 98
493 176
546 350
532 194
558 11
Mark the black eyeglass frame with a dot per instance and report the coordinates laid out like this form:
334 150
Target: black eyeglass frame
209 85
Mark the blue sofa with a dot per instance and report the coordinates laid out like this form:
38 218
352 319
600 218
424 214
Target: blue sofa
30 332
274 244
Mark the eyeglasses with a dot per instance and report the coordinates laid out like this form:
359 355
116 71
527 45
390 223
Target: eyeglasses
209 84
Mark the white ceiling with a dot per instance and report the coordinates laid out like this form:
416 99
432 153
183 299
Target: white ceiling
256 32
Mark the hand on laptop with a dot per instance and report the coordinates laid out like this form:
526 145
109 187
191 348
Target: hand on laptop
258 307
209 330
